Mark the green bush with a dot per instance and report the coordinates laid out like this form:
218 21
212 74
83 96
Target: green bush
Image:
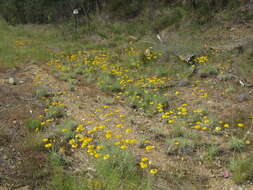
127 8
41 11
170 18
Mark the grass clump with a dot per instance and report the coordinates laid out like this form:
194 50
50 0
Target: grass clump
42 92
179 145
212 152
32 124
55 112
208 70
120 171
68 126
63 180
242 170
236 144
179 130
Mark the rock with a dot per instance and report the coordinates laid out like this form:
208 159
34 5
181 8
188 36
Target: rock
230 89
232 29
24 188
183 82
224 77
5 157
12 81
132 38
242 97
226 174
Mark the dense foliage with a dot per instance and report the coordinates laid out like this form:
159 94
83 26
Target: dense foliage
46 11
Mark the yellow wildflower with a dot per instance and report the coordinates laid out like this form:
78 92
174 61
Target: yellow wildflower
99 147
144 159
117 143
149 147
64 130
62 150
74 145
205 128
71 141
247 142
153 171
106 157
206 121
143 165
129 130
240 125
108 135
48 145
122 116
123 146
226 125
119 125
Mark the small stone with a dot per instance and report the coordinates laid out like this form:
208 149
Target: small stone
183 82
24 188
12 81
224 77
226 174
3 188
5 157
21 82
242 97
230 89
8 105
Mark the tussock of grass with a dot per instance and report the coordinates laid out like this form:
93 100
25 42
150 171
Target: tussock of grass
236 144
179 145
42 92
212 152
118 172
55 112
242 170
121 171
32 124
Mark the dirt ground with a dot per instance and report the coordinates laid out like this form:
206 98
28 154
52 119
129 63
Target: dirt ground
22 163
17 104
